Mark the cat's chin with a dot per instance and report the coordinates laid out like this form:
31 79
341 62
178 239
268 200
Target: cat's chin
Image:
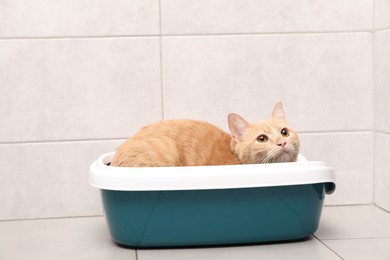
283 156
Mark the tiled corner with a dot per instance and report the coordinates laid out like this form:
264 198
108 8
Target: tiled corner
382 14
71 89
316 76
356 232
353 164
353 222
62 18
70 238
361 249
49 179
382 171
382 80
253 16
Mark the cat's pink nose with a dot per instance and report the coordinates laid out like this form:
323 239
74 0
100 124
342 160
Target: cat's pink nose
282 143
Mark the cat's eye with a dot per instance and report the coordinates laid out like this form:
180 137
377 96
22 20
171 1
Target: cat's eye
262 138
285 132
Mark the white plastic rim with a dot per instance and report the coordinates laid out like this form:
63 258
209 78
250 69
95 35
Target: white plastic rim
301 172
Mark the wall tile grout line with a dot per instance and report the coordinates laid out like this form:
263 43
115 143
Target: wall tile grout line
382 132
264 33
379 207
76 37
373 100
80 37
373 16
382 29
364 131
124 138
161 63
63 141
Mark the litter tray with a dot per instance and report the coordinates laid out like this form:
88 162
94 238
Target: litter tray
157 207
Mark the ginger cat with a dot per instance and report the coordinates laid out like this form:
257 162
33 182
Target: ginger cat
192 143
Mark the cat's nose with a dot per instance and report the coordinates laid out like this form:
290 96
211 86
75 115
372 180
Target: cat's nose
282 143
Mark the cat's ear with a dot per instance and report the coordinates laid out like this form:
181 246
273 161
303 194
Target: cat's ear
237 126
278 111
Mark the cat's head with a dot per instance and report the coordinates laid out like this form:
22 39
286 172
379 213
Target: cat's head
269 141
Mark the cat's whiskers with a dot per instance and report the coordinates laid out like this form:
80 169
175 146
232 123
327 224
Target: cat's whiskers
262 159
276 152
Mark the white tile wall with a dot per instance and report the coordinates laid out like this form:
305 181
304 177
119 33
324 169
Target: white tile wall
78 88
382 80
382 107
49 179
45 18
316 76
253 16
352 163
382 14
104 69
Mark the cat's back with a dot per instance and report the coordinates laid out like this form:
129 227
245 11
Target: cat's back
176 128
176 143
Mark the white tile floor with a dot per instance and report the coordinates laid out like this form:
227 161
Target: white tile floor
345 232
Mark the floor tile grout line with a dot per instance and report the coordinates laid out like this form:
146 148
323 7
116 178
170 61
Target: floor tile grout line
354 238
350 205
102 215
50 218
328 247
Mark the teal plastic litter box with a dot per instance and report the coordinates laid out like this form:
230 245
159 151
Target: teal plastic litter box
156 207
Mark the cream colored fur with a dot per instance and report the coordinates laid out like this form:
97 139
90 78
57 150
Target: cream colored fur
188 142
